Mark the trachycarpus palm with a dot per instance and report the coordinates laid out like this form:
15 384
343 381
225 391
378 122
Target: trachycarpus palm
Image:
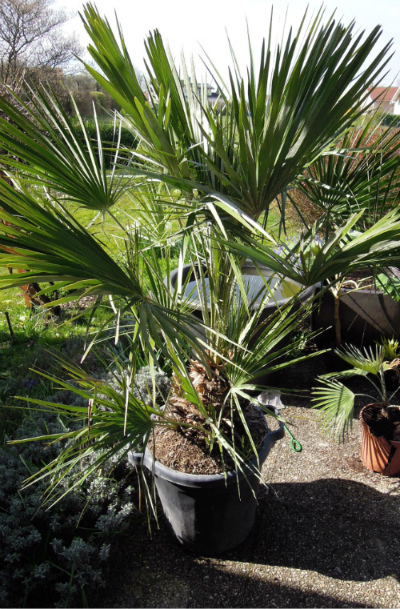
229 166
292 106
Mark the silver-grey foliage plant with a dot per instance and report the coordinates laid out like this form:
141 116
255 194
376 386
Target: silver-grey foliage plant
64 550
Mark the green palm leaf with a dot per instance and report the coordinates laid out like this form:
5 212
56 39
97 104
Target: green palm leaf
361 173
97 432
336 403
49 242
43 145
343 252
272 127
52 245
369 362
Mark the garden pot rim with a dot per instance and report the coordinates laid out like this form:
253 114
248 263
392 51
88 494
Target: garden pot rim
375 290
201 480
378 405
304 294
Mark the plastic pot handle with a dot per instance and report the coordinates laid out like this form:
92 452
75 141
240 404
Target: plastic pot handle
135 458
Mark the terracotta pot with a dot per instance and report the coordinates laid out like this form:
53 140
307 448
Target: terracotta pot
377 453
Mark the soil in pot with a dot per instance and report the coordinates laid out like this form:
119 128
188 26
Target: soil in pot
380 448
383 423
185 449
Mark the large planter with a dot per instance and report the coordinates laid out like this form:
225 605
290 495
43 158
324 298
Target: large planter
209 514
377 453
251 277
365 317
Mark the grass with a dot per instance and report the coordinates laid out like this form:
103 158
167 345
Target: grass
36 335
36 332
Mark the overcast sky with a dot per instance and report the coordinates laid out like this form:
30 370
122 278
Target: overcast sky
187 25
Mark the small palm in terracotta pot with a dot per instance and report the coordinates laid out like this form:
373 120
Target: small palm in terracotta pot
380 421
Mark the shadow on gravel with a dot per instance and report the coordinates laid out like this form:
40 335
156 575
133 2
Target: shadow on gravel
159 573
340 528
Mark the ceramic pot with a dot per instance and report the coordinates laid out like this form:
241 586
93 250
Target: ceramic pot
209 514
377 453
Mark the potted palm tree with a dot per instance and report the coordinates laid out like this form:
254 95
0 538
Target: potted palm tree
364 174
380 420
217 174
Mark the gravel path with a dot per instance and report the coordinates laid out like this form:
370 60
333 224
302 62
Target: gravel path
327 534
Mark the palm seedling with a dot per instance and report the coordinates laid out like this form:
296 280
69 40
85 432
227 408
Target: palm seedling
380 418
336 401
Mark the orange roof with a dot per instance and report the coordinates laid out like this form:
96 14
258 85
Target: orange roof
385 94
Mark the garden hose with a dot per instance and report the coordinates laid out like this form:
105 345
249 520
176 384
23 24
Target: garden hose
295 445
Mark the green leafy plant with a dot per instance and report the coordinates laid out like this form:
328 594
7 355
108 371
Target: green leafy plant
390 348
361 173
336 401
389 282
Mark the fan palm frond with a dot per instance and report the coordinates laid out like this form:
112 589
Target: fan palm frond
369 362
290 110
44 146
336 403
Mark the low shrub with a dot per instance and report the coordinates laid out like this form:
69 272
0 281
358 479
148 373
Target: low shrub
67 546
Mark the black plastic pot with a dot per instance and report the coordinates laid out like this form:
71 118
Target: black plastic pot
209 514
365 317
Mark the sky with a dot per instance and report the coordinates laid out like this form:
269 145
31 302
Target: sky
188 26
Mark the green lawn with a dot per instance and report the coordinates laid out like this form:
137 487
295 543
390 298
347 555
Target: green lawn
36 331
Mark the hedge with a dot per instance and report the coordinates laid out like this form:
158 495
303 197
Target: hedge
391 120
109 138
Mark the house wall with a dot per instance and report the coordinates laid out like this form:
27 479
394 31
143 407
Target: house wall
396 107
384 106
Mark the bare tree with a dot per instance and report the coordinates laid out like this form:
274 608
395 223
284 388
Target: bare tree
33 49
31 36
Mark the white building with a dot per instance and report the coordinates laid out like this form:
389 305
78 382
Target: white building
386 99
